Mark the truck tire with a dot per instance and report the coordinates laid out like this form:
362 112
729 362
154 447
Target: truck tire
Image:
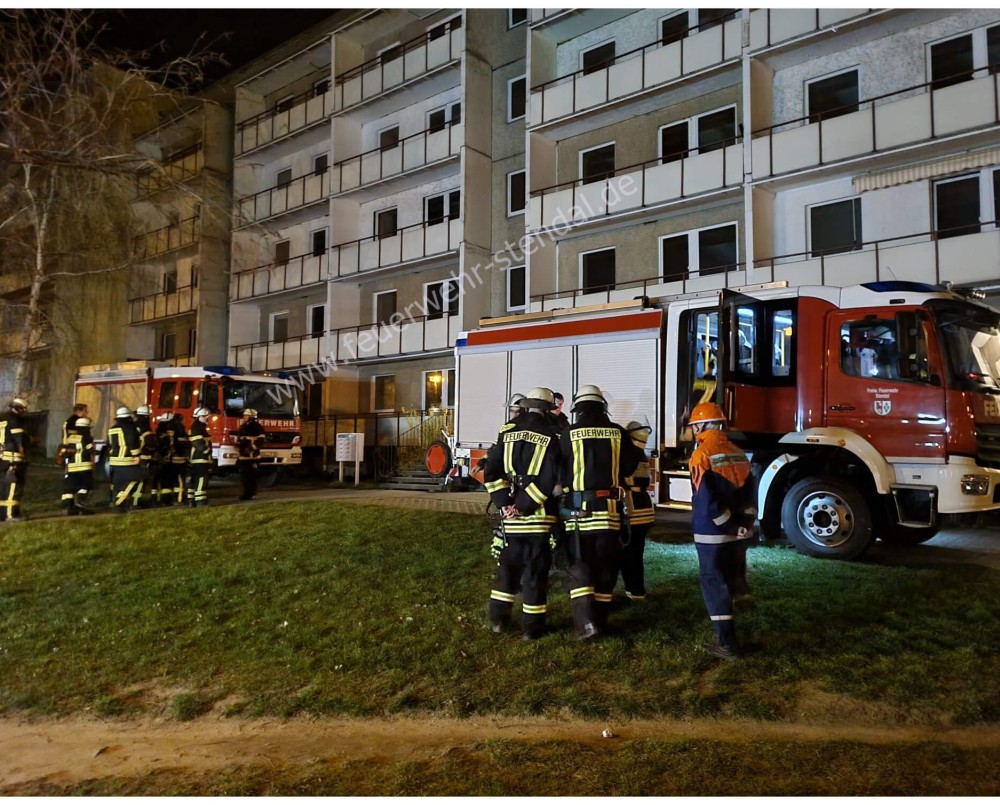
824 517
900 535
437 459
268 478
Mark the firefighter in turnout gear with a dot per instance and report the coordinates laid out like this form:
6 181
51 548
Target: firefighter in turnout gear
147 456
722 519
13 461
126 474
250 439
201 458
163 476
176 448
76 454
640 516
597 454
79 410
521 475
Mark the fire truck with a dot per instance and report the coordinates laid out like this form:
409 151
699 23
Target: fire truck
223 390
868 412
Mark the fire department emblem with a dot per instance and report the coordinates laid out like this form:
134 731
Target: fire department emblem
883 407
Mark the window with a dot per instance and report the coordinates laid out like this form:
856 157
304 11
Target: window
321 87
996 195
384 393
892 348
170 280
716 129
314 401
717 250
320 164
674 142
761 348
168 345
516 16
439 118
388 138
782 341
597 58
284 177
278 327
440 30
167 392
282 251
956 206
951 61
517 298
186 397
439 388
832 96
673 28
192 342
516 192
284 104
679 26
597 270
385 223
700 252
597 164
835 228
698 135
449 380
316 316
386 55
516 98
208 396
319 243
710 17
993 48
674 262
437 207
441 298
385 307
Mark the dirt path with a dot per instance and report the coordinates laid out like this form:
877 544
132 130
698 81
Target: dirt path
70 751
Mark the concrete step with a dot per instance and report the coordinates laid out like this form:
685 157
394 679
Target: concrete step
414 487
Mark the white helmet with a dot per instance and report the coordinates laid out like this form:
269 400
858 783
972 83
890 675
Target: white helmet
516 401
250 412
638 432
124 411
165 417
82 422
589 393
200 412
143 410
539 398
18 403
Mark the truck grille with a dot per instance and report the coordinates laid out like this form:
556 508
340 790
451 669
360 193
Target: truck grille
279 437
988 445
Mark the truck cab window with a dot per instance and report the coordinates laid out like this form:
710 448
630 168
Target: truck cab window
890 349
167 392
782 333
209 396
187 392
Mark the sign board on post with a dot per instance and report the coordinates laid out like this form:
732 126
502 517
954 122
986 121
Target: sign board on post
350 447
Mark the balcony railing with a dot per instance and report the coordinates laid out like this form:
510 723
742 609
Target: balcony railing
294 115
648 184
296 272
161 241
413 59
180 360
771 26
645 68
163 304
410 153
291 353
917 114
538 15
283 198
181 168
411 243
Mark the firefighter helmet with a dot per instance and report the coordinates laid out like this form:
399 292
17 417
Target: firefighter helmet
589 393
200 412
165 417
122 412
19 405
143 410
706 412
638 432
82 422
540 398
516 401
251 412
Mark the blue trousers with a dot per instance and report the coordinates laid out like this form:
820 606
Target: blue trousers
721 567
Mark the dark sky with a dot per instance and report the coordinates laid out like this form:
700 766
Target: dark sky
239 34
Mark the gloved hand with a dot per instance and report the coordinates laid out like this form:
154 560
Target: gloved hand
510 511
496 547
553 541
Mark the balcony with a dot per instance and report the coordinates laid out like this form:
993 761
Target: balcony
649 184
407 245
772 26
166 239
297 272
291 353
157 306
291 116
644 69
404 64
281 199
182 167
409 154
918 114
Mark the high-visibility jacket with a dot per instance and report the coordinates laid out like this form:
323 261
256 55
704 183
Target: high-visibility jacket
249 439
201 443
12 438
722 489
78 450
147 440
123 441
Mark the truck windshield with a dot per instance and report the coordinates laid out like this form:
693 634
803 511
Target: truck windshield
970 335
268 399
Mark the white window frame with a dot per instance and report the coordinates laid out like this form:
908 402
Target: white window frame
510 193
374 392
277 176
510 17
447 108
285 99
809 82
271 317
595 47
375 297
318 157
579 159
445 196
275 255
170 271
692 126
309 319
326 240
980 54
319 81
524 307
659 23
809 232
444 388
694 255
163 340
580 257
380 132
446 22
386 49
375 219
453 282
985 181
192 341
510 84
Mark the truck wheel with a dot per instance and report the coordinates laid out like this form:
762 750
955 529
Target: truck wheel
900 535
269 478
826 518
437 459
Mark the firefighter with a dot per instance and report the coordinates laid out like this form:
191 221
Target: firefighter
13 461
79 410
596 456
76 455
124 448
722 519
163 481
180 451
145 496
249 438
200 461
515 409
640 517
561 420
521 475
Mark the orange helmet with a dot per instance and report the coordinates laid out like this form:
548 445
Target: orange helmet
706 412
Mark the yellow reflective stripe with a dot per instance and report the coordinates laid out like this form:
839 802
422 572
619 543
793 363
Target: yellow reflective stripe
604 597
508 458
616 449
493 486
498 595
579 592
14 431
535 609
536 459
578 465
535 493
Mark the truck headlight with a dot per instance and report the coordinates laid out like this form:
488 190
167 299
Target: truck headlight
975 485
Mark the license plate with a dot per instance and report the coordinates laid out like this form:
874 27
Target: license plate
268 454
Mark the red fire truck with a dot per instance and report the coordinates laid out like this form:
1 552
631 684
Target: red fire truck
869 411
224 390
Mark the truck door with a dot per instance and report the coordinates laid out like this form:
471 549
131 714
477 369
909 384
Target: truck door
883 381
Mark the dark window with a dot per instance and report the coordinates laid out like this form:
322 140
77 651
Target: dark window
437 205
516 196
320 87
440 30
284 104
993 48
996 196
167 392
674 252
168 345
314 401
385 307
673 29
456 114
320 164
951 62
435 121
957 207
170 280
317 320
385 393
318 242
282 251
192 342
833 96
598 58
516 289
389 54
450 375
599 270
835 228
516 98
186 395
209 396
454 204
716 130
717 250
279 328
674 142
598 164
708 17
516 16
284 177
385 223
441 298
388 139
